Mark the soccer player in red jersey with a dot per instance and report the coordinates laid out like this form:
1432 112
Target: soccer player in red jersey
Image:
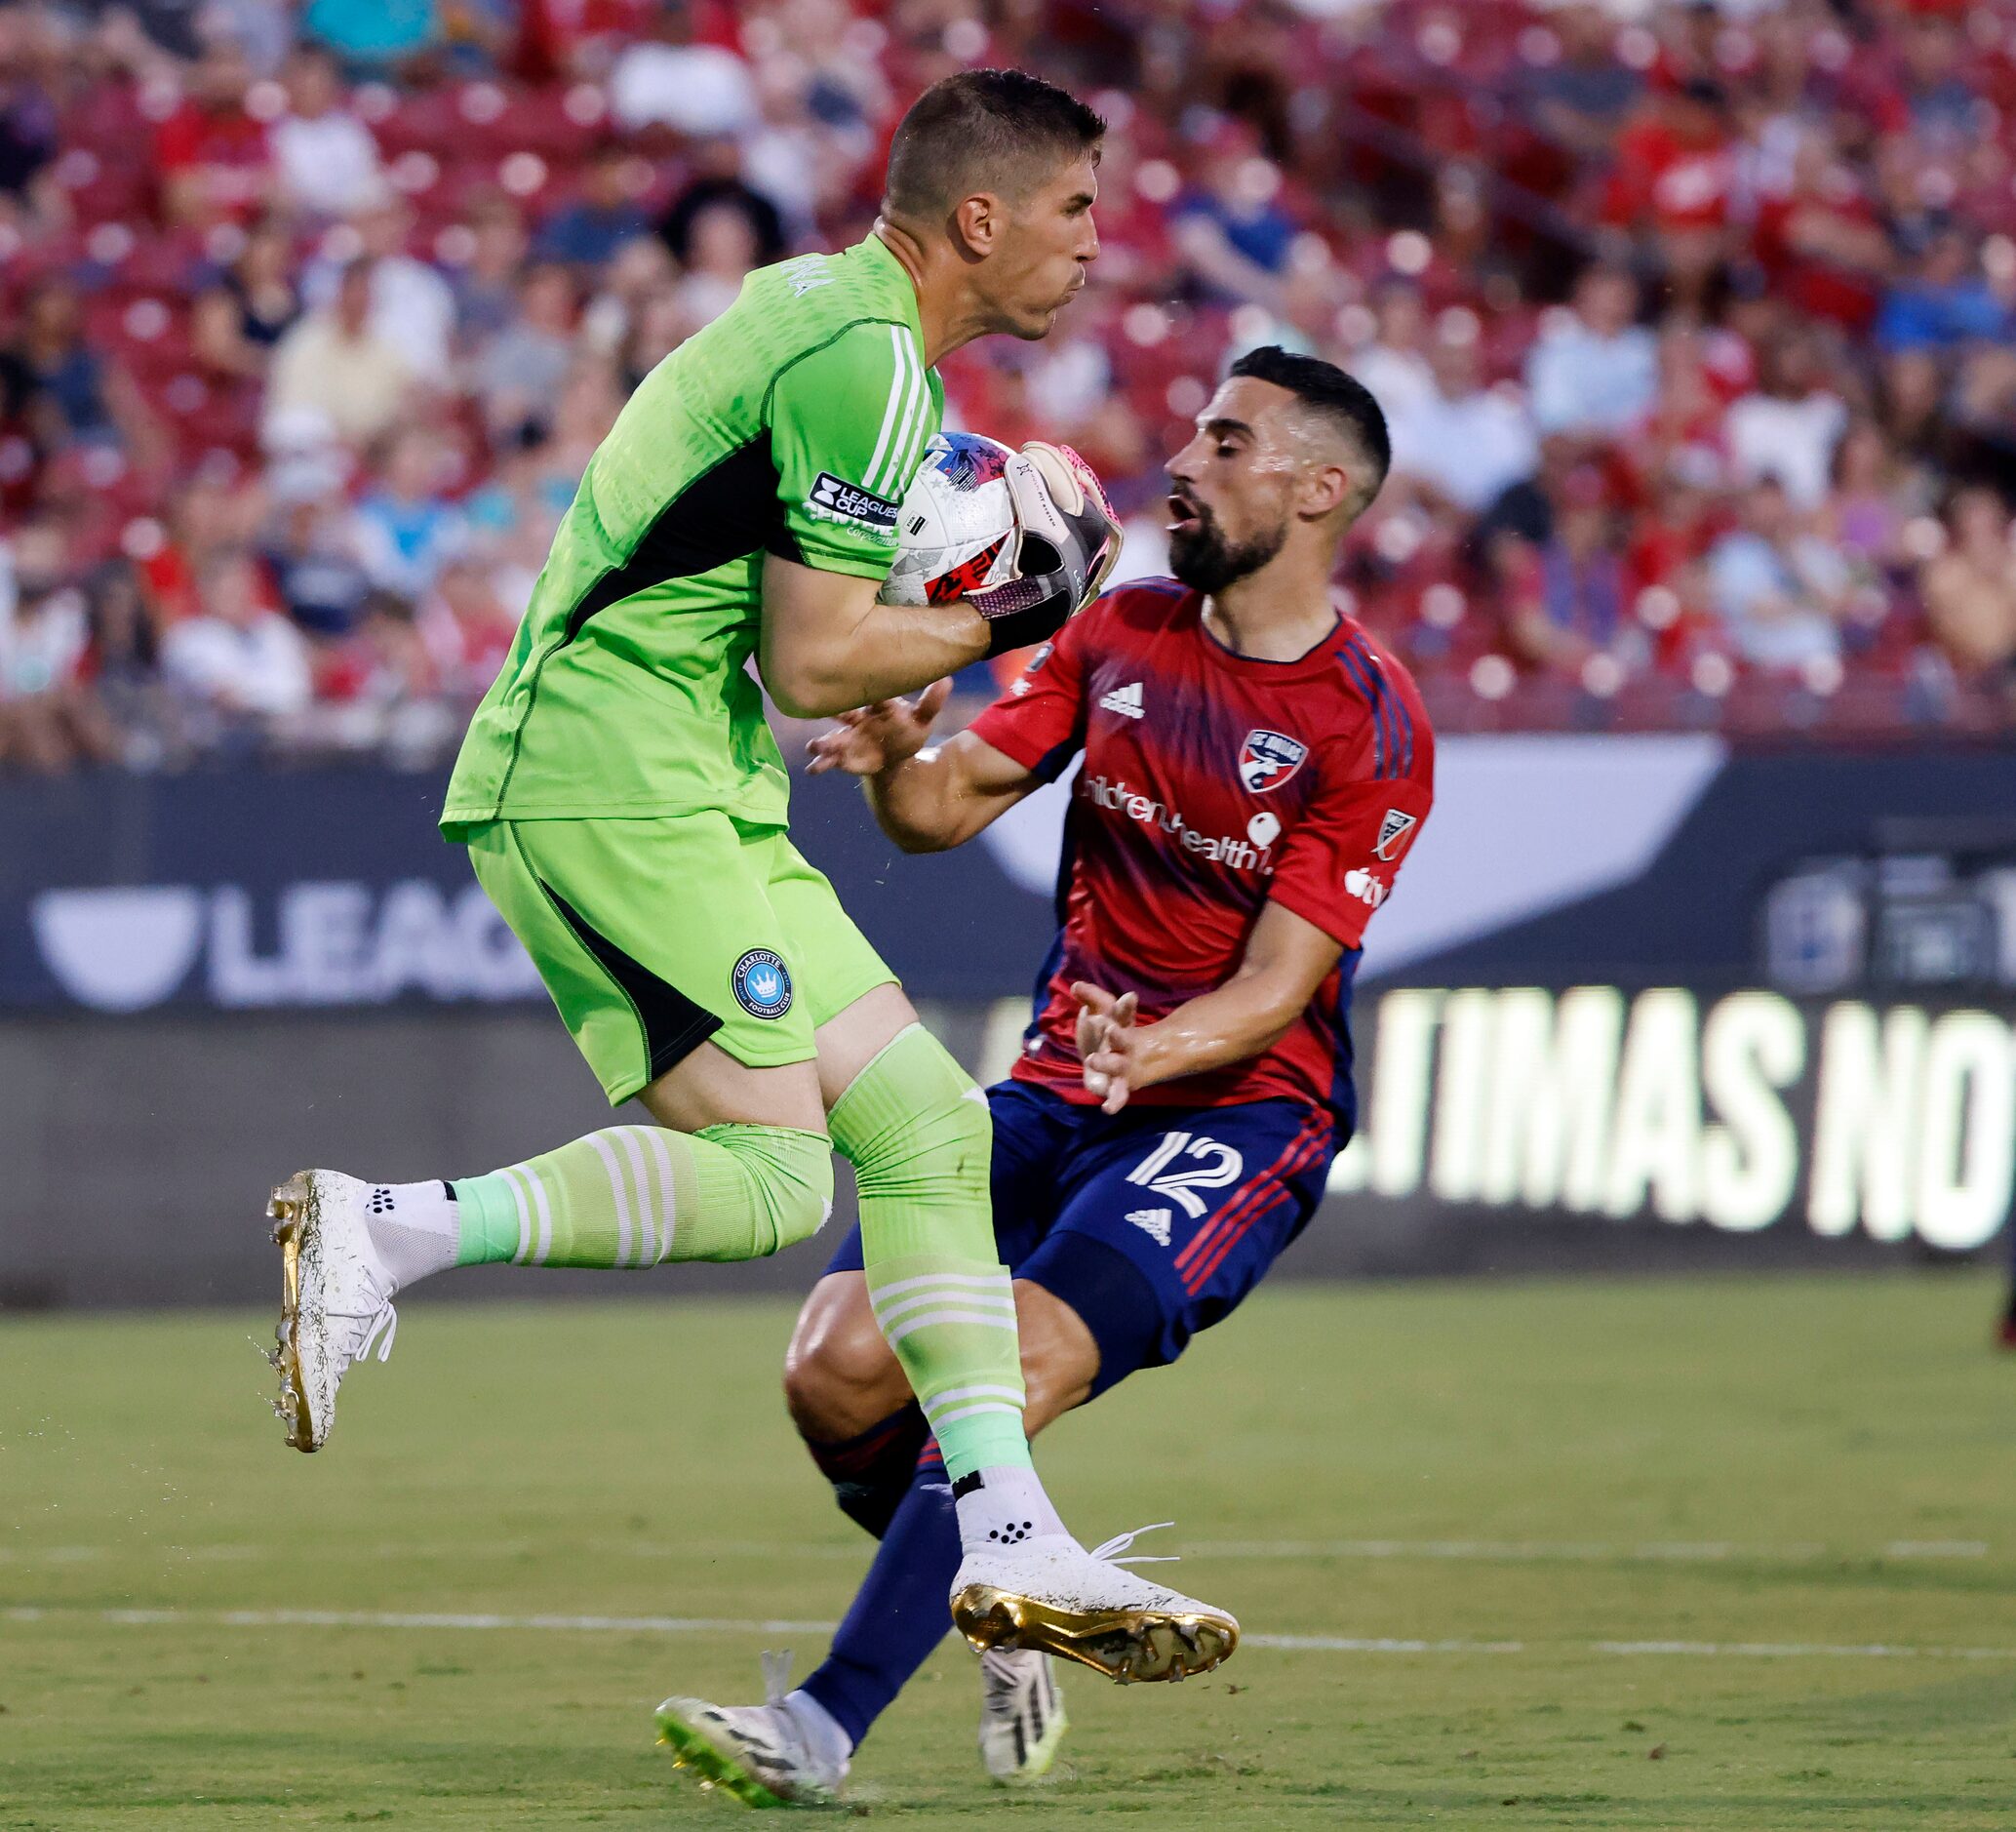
1254 770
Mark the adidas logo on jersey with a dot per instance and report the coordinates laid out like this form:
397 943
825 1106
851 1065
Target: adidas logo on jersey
1125 700
1153 1222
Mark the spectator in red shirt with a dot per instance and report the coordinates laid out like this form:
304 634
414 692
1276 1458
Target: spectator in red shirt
214 162
1821 242
466 629
1673 177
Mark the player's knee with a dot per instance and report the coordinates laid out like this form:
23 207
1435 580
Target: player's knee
1060 1356
940 1136
802 1206
840 1378
791 1176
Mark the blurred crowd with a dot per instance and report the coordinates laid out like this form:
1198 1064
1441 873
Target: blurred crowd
1692 323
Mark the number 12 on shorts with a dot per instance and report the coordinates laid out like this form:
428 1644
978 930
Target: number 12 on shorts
1219 1169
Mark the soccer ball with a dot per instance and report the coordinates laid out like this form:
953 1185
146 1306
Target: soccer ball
956 528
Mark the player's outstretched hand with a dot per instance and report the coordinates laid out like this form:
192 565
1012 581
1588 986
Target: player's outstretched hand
873 739
1107 1043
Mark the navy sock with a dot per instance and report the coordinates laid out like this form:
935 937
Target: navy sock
871 1473
902 1608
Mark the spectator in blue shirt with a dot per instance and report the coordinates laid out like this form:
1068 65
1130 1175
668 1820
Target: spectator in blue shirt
406 530
1946 302
601 219
374 34
1232 230
1777 589
1597 371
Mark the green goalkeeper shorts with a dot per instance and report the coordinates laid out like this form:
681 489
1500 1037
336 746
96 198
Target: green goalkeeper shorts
656 935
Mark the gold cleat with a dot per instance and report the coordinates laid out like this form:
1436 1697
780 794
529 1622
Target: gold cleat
1132 1641
287 1208
335 1298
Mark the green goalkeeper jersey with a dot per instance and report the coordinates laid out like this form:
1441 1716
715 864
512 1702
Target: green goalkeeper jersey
792 425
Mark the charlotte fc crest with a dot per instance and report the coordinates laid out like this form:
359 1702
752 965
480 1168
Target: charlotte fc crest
1267 759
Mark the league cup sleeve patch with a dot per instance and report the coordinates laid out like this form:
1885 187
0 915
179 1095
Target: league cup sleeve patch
848 425
834 499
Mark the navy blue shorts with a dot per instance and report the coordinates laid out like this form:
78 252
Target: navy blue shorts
1151 1224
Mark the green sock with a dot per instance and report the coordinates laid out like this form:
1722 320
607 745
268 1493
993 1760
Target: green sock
640 1195
918 1134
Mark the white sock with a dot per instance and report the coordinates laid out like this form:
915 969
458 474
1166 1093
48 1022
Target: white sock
829 1744
1003 1506
414 1226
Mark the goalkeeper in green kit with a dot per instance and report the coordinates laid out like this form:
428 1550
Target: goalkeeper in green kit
624 806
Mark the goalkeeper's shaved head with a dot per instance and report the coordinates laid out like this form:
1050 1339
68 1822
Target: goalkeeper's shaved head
1003 131
992 179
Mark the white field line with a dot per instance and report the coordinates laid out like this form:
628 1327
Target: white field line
1455 1551
724 1625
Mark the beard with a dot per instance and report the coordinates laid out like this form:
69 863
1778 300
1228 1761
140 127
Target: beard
1206 561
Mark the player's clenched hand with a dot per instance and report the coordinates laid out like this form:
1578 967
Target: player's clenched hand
1107 1043
873 739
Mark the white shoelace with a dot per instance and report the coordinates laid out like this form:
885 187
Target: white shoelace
382 1321
776 1676
1111 1549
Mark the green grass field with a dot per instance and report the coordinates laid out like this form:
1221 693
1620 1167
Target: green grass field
1471 1499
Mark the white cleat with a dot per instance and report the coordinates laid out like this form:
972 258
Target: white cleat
757 1753
1022 1721
1052 1596
335 1298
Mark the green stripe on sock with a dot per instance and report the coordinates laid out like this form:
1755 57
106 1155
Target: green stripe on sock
632 1196
919 1136
487 1220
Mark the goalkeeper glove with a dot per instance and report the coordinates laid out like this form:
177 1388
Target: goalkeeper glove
1068 543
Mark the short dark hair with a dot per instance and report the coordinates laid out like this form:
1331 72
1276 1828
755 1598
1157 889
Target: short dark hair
1341 399
984 130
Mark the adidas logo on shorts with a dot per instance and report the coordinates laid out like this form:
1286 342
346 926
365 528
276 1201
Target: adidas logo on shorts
1153 1222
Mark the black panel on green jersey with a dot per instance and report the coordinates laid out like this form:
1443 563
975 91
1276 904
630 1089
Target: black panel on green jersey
674 1026
723 513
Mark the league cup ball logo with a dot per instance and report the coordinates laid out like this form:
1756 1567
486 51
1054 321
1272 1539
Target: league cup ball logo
763 984
1267 759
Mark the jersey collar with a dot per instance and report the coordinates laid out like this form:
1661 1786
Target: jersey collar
882 258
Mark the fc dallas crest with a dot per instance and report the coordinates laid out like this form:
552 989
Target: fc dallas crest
1267 759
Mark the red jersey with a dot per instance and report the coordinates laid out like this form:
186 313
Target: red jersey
1213 783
